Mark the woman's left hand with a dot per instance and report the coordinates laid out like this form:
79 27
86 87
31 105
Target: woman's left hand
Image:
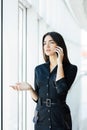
60 53
21 86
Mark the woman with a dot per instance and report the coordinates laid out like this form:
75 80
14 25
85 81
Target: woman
53 79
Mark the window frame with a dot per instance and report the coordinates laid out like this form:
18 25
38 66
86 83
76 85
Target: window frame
22 71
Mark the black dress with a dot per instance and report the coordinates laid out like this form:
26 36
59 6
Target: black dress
52 112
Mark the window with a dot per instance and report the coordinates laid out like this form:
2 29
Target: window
1 65
22 96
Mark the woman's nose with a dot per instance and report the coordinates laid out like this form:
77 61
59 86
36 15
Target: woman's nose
48 45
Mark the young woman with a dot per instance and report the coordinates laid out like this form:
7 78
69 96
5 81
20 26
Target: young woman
53 79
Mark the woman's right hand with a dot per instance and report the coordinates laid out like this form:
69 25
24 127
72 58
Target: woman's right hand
21 86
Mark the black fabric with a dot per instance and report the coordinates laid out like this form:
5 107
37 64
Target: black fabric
56 117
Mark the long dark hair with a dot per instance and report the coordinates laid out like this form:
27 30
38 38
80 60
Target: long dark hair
60 42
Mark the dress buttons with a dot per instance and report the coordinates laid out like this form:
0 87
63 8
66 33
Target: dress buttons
47 94
56 88
49 119
50 127
47 85
47 77
48 110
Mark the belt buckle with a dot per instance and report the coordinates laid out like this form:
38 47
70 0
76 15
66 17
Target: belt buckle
48 102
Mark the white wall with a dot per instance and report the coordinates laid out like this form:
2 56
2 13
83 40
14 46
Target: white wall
32 59
0 64
10 65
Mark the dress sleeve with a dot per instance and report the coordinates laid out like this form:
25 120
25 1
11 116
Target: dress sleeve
35 82
64 84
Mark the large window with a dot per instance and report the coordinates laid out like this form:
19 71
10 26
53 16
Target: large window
1 65
22 72
83 116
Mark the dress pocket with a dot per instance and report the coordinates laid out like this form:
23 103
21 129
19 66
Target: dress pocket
42 114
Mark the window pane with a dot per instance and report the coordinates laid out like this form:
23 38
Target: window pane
0 64
22 67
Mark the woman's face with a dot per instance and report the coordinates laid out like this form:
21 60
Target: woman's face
49 46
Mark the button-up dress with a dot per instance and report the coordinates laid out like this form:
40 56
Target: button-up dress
57 116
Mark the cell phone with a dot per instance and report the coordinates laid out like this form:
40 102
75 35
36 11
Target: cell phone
57 54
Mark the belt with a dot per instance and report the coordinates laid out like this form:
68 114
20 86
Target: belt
48 102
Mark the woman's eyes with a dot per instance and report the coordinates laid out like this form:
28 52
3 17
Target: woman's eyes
51 42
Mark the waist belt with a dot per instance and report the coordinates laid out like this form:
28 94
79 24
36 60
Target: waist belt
48 102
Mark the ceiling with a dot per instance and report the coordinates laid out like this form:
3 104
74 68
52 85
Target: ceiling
78 9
